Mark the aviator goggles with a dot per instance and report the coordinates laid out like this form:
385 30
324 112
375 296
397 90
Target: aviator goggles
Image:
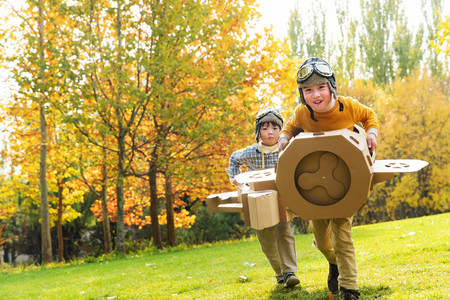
321 68
264 112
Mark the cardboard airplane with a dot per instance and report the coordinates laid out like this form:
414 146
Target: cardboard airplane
320 175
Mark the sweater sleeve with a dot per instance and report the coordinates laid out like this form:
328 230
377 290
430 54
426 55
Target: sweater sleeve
367 117
292 127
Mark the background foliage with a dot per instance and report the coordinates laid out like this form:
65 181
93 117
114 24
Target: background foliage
145 101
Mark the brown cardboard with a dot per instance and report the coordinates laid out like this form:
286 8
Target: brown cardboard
384 169
242 197
321 175
230 207
263 207
259 180
315 172
285 215
398 165
213 201
237 201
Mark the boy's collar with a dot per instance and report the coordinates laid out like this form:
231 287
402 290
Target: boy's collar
267 149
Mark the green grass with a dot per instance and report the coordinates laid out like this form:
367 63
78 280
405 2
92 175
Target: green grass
408 259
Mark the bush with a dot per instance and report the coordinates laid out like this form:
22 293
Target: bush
211 227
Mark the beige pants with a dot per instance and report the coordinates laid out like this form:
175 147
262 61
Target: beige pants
333 237
278 244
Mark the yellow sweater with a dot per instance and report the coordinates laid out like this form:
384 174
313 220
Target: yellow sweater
353 112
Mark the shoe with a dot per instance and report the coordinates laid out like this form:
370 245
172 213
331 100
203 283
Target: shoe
290 280
349 294
333 274
280 281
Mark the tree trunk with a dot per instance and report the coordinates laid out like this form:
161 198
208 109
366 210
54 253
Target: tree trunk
156 230
106 226
121 144
171 238
119 195
46 244
59 223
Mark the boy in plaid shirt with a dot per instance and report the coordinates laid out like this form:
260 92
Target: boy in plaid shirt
277 242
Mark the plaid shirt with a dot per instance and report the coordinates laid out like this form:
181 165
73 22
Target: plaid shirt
251 157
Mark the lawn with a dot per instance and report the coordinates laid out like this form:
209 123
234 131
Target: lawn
408 259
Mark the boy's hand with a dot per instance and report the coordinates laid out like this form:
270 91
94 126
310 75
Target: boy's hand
282 144
371 141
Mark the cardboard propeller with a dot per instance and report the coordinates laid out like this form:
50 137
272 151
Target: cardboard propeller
323 175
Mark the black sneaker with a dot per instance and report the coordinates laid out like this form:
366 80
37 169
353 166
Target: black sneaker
290 280
349 294
333 274
280 281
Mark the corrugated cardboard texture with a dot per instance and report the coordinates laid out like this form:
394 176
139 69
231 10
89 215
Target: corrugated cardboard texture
263 208
325 175
242 197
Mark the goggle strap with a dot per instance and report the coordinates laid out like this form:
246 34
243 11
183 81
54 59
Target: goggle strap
311 113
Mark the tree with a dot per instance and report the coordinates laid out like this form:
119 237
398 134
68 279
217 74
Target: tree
379 18
415 116
105 97
441 43
346 59
67 188
98 185
432 24
4 240
316 43
23 155
313 43
45 222
148 73
407 49
295 33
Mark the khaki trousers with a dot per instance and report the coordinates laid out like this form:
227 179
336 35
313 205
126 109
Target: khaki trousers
278 244
333 237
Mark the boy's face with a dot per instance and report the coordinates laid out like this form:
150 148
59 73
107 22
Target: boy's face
269 134
318 97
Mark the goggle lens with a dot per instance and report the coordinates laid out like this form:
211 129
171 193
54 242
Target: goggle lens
305 72
324 70
321 68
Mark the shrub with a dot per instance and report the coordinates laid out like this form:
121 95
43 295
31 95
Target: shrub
211 227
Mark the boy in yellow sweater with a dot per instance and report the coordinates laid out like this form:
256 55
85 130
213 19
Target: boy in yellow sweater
322 110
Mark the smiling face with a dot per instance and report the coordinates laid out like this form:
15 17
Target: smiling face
269 133
319 97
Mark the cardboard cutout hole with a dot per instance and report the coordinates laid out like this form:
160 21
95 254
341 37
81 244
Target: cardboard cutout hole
396 165
369 160
354 140
259 175
322 178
